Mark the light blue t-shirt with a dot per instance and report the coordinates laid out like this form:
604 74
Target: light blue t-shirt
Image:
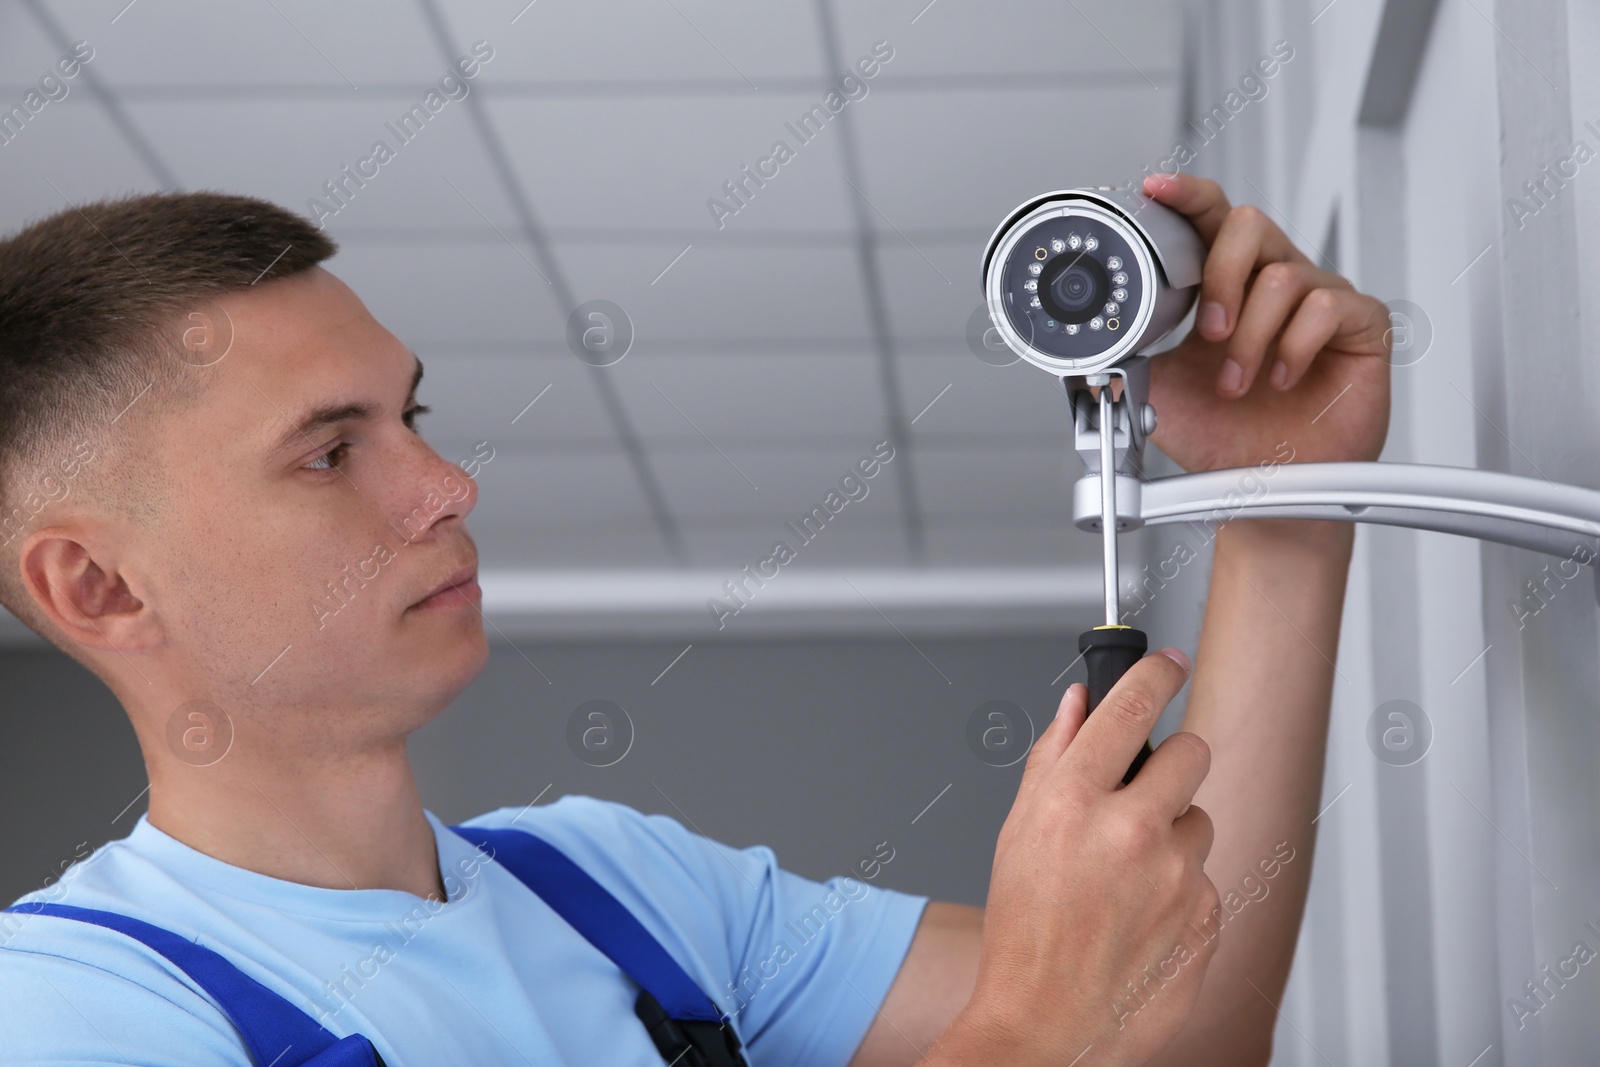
490 976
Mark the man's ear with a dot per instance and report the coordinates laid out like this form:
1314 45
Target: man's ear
81 588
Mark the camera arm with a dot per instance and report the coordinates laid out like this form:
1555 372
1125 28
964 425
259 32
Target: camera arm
1560 520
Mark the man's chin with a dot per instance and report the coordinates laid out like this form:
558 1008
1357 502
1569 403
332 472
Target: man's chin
457 649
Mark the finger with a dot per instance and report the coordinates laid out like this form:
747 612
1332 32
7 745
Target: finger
1201 199
1247 242
1117 730
1070 713
1169 778
1273 297
1058 734
1343 319
1194 832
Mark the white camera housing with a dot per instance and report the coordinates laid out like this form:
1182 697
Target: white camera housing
1062 242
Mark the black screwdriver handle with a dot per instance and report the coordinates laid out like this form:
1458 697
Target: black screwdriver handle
1108 652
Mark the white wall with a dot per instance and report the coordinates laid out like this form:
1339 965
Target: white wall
1390 145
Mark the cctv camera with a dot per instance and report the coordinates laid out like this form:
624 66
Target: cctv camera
1079 280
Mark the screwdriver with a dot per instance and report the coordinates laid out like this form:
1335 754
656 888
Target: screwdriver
1109 650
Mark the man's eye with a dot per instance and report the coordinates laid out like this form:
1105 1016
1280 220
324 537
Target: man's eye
330 459
333 458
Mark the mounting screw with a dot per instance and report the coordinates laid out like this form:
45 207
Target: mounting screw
1147 416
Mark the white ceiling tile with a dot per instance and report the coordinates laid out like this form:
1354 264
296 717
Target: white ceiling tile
654 163
752 397
1006 403
992 151
487 398
1002 482
637 40
286 42
537 488
1124 38
930 286
723 291
286 150
464 292
772 485
26 53
67 152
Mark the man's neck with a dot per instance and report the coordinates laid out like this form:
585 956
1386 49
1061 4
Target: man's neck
344 823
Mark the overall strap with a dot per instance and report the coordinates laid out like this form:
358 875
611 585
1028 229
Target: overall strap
685 1023
275 1031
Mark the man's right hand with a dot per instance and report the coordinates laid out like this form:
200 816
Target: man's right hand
1095 935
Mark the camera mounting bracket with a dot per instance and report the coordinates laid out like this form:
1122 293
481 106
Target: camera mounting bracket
1132 421
1109 431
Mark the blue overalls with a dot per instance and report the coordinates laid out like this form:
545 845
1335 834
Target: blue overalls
683 1020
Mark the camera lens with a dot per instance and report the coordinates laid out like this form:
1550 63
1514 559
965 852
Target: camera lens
1076 289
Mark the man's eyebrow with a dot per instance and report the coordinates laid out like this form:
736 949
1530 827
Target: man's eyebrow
329 414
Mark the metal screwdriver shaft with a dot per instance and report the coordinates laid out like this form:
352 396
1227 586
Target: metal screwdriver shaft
1109 650
1108 502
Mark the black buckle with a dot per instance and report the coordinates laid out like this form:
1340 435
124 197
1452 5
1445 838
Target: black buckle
688 1042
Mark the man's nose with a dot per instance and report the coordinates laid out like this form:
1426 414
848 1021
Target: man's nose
436 489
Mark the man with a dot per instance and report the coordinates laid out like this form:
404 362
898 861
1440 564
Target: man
251 434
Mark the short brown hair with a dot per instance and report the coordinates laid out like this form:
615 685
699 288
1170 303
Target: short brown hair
93 302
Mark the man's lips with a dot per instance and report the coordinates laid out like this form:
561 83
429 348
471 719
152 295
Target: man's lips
463 577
